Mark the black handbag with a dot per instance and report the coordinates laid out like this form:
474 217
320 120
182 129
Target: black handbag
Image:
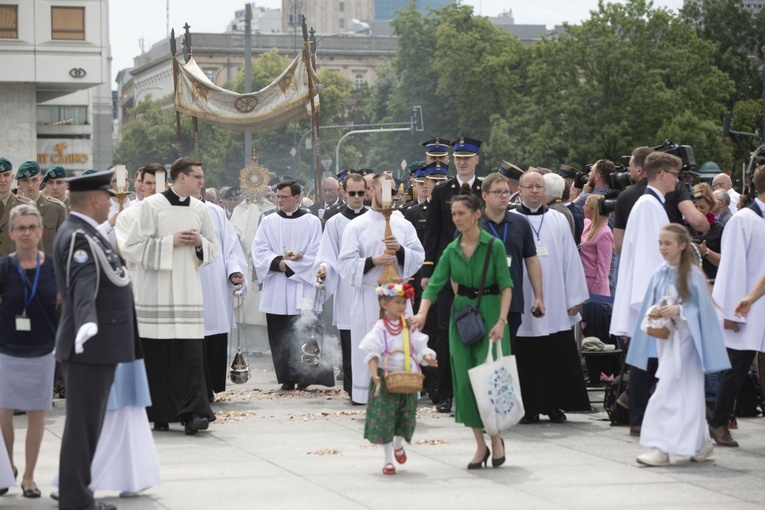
468 319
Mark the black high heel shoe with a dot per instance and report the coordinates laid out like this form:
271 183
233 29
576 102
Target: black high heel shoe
480 463
498 462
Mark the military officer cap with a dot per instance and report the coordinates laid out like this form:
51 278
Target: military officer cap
416 170
5 165
437 147
232 192
414 166
510 170
466 147
364 171
89 172
55 172
436 171
92 181
344 173
27 169
567 172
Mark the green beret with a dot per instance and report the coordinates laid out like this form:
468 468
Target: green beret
5 165
55 172
416 165
88 172
27 169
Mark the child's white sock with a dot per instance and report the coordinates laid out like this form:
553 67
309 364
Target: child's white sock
388 448
397 442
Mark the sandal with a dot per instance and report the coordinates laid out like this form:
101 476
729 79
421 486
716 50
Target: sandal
400 455
389 469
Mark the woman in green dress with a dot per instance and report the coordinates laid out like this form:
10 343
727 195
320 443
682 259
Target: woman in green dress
462 262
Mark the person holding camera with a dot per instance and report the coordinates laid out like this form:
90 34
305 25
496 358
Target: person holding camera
599 181
710 244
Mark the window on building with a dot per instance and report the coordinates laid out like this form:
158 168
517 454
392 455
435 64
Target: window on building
62 115
9 22
68 23
341 7
359 82
342 22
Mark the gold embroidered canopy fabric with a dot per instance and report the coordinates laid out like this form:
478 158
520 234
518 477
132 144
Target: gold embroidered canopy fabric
279 103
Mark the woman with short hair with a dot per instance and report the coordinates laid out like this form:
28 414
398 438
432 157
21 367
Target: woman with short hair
709 244
28 324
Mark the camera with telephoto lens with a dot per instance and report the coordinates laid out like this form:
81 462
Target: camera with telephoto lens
582 177
606 206
685 153
620 178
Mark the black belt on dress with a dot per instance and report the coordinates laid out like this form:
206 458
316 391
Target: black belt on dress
472 292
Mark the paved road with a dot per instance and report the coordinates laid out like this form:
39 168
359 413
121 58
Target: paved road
304 450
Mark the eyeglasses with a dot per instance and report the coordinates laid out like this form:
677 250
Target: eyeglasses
22 230
283 197
356 193
718 185
498 193
533 187
674 174
195 176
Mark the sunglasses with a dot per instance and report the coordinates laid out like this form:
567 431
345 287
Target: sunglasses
355 193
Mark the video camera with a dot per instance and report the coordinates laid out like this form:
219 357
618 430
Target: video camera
685 153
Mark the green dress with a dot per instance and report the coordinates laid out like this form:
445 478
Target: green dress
453 265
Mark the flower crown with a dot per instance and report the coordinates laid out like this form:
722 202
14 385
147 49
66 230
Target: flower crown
394 289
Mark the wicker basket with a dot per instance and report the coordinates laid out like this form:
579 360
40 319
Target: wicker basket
660 332
402 382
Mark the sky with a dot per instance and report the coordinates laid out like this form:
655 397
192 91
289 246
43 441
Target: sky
133 21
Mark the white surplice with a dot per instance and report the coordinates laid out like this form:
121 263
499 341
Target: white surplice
742 264
363 237
563 280
169 300
218 290
639 259
329 253
283 295
245 220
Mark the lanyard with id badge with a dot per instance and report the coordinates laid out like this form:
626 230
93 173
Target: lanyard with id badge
504 240
541 249
22 321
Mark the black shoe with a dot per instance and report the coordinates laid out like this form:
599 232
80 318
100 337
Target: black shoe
16 412
101 505
498 462
3 491
288 386
445 406
527 420
30 493
161 426
196 424
302 387
481 463
556 416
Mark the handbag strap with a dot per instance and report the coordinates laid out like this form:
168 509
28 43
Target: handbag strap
483 273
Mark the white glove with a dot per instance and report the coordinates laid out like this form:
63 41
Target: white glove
85 333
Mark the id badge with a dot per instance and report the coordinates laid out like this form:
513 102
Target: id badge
509 261
23 323
542 251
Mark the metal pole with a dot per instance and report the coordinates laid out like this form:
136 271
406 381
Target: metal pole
314 113
337 149
173 50
247 75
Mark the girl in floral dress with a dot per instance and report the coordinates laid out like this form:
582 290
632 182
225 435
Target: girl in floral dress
390 416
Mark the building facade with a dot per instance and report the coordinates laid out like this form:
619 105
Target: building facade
386 9
55 54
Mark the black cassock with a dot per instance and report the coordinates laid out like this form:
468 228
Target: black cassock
286 343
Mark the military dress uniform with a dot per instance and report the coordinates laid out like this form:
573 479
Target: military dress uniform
58 172
53 211
7 245
95 290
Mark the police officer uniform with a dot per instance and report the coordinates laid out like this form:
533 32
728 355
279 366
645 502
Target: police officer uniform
514 173
97 307
7 245
53 211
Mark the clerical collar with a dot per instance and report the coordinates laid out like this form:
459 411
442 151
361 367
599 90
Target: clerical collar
353 213
297 213
655 192
532 212
175 199
469 183
180 197
87 219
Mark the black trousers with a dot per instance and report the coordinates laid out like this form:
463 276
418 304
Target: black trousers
641 384
730 385
88 387
513 323
176 374
215 352
444 308
345 349
282 342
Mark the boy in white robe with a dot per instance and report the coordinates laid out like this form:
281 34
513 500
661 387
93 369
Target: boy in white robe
361 263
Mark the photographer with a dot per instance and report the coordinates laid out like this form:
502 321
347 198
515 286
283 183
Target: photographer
709 244
599 182
679 202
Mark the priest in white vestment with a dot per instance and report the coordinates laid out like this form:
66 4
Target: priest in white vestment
741 266
327 266
171 238
361 263
548 360
283 254
639 258
220 280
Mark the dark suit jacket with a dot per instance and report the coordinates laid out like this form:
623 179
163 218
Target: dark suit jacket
725 215
578 215
112 309
440 229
